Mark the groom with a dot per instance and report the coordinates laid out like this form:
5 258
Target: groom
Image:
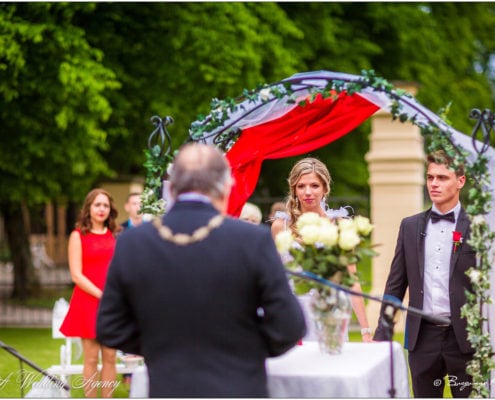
431 259
203 297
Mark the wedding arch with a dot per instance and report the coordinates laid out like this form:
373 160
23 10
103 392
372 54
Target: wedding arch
312 109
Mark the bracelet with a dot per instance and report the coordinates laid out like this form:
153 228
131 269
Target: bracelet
365 331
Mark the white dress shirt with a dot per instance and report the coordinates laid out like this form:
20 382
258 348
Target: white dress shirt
438 250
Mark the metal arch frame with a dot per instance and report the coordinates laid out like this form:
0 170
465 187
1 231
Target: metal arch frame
226 132
485 120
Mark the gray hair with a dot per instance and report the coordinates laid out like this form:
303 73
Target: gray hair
200 168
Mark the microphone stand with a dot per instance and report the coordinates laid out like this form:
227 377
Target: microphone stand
392 305
52 378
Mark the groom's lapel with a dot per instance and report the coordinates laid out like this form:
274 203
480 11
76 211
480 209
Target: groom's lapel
420 239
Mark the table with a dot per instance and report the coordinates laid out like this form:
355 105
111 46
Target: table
361 370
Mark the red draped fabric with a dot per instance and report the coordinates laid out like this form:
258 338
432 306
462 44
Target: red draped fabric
301 130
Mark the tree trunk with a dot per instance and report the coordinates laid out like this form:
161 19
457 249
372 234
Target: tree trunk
26 281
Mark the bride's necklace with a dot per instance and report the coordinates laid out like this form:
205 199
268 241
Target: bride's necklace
183 239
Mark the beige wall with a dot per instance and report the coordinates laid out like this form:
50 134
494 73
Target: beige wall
119 192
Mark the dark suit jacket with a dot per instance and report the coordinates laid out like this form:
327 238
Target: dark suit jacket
407 270
125 225
192 311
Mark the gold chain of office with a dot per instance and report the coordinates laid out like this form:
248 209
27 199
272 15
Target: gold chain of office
183 239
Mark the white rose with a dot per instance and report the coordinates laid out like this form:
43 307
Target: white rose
329 235
363 225
310 234
283 241
478 220
309 218
323 222
265 94
475 276
346 223
348 239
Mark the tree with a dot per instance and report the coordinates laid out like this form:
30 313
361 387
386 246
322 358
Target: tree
80 81
173 58
61 64
52 103
446 48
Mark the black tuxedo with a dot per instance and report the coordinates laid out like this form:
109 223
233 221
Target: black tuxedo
193 311
407 270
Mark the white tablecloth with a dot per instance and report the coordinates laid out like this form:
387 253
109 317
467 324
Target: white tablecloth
361 370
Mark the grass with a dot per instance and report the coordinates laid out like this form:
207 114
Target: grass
38 346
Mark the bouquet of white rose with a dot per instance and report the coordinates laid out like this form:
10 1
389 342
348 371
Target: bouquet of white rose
326 247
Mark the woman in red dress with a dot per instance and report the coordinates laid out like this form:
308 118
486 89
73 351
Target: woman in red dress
91 247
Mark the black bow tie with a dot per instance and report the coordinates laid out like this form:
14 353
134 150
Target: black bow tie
435 217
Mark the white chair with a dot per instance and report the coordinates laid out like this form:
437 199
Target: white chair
66 368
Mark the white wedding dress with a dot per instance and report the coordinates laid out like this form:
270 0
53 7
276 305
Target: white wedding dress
305 299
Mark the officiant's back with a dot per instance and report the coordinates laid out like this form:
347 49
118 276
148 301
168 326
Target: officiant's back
202 296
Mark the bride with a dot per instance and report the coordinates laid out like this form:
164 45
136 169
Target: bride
309 186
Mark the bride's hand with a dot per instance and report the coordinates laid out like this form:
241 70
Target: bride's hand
367 338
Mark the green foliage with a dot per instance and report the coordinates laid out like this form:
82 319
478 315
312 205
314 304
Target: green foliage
52 105
151 201
175 64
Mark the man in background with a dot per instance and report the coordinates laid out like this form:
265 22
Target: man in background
203 297
132 207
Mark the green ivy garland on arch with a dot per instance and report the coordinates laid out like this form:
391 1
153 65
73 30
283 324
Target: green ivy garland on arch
439 137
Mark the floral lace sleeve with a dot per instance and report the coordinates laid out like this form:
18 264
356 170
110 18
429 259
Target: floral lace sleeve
342 212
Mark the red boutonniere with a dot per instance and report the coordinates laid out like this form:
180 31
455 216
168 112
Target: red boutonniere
457 239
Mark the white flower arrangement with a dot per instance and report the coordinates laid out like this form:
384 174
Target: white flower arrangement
325 247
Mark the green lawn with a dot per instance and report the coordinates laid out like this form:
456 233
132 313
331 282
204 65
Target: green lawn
38 346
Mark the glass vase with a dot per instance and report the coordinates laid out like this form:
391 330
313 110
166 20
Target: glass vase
331 309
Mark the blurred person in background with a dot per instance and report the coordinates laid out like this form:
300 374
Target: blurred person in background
251 213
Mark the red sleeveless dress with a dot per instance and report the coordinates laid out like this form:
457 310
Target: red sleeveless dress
97 252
